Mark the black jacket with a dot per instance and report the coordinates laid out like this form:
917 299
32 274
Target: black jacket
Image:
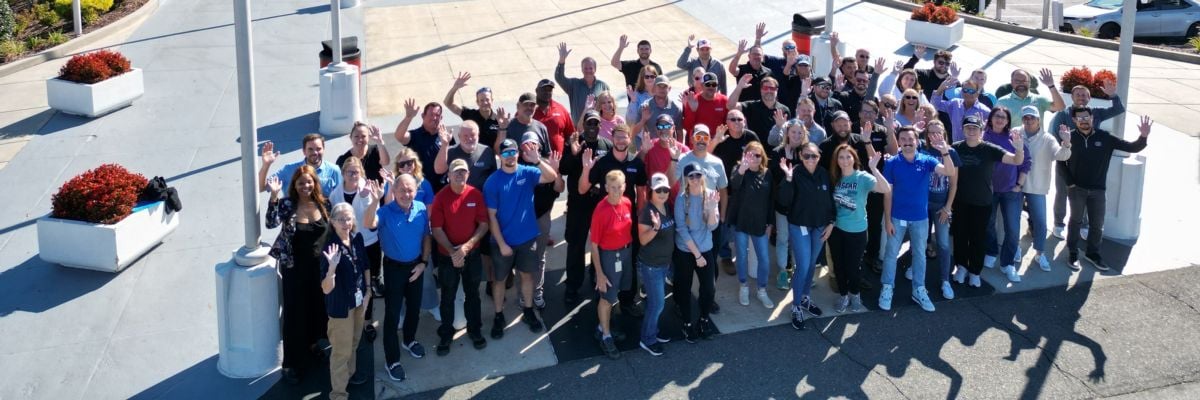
750 208
808 197
1088 165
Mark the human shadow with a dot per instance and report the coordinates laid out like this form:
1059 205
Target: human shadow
203 381
35 286
287 134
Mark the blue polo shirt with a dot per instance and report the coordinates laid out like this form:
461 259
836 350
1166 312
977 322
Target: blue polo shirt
511 196
330 174
401 233
910 185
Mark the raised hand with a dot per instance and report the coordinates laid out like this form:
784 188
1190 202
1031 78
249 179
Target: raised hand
554 160
839 80
938 143
331 255
920 126
899 66
805 86
879 64
873 157
269 155
673 144
744 81
587 160
1109 87
575 141
691 38
834 39
461 81
919 50
387 176
590 103
743 164
631 94
563 52
410 108
646 114
1018 139
375 136
274 184
786 168
1047 77
1145 125
719 137
502 118
954 69
624 42
780 118
374 190
741 46
530 155
443 135
760 31
647 141
1064 133
654 220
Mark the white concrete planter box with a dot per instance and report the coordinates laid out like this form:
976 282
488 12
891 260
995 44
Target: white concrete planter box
100 247
95 99
933 35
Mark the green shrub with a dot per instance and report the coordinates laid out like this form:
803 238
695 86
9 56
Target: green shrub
34 43
91 9
56 38
24 21
1085 32
8 24
46 15
11 49
1195 43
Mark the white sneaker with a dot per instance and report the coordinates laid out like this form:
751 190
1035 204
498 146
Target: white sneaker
908 273
1017 256
885 297
975 281
1059 232
947 291
989 262
842 303
921 296
766 300
1043 262
1011 272
960 274
744 295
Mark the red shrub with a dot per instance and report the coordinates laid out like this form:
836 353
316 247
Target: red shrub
1098 80
934 13
1076 76
923 13
94 67
103 195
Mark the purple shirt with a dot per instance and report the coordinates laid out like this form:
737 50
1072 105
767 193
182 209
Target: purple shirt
1004 176
957 112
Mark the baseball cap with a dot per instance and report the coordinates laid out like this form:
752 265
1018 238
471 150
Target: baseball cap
530 136
692 168
708 77
820 80
1030 111
545 82
804 59
458 164
658 180
701 128
703 43
527 98
665 118
590 115
972 120
841 115
662 80
508 144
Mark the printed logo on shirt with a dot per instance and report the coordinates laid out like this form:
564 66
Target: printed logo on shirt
845 194
599 153
521 181
479 164
1098 144
631 170
470 204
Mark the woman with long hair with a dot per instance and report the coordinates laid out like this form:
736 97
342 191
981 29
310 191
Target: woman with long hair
1006 196
344 275
807 192
942 190
355 194
750 215
372 156
791 137
606 105
908 113
640 93
900 81
304 215
696 216
849 238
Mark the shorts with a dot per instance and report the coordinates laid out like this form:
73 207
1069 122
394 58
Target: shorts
524 258
620 280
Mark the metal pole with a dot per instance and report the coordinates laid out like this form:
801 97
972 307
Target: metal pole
1045 14
828 18
335 15
247 121
77 15
1124 61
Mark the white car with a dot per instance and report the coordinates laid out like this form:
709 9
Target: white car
1155 18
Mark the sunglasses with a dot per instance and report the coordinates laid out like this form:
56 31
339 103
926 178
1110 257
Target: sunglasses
663 127
662 190
769 88
710 84
941 62
695 176
735 119
889 106
911 98
508 153
406 163
789 47
970 91
1083 117
649 76
700 138
810 156
755 155
864 57
860 80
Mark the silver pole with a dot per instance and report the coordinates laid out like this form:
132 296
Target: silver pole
77 15
245 78
1124 62
335 15
828 18
1046 15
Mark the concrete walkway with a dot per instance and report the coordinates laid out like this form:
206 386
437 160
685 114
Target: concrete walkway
150 331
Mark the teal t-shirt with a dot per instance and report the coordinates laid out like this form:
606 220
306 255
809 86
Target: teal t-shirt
850 195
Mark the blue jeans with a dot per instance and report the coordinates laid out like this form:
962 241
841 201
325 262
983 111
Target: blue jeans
654 278
1008 206
806 245
781 241
1037 219
761 255
941 237
721 238
918 234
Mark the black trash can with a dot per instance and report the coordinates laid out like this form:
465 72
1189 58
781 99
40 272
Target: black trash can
804 25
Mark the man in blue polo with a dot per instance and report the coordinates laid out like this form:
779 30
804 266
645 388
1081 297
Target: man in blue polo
314 156
905 211
404 236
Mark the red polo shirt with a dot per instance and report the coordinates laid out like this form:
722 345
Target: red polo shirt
458 214
558 123
612 225
708 112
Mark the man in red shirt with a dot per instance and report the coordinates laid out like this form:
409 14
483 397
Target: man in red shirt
459 220
552 114
707 107
662 153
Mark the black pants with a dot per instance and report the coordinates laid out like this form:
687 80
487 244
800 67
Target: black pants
685 266
1090 203
375 258
874 226
847 254
470 274
304 315
398 290
576 234
969 227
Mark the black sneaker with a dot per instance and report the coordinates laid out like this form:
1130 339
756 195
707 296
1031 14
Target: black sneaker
609 348
396 372
706 329
571 296
370 333
1096 261
715 309
655 349
291 376
798 318
477 340
631 309
659 338
377 287
415 349
808 305
689 333
443 347
498 326
531 319
1074 262
359 378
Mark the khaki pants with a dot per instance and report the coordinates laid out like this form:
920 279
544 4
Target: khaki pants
344 334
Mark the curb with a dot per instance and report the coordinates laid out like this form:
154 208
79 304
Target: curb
72 46
1138 49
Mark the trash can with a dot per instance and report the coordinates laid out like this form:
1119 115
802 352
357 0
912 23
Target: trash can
804 25
350 52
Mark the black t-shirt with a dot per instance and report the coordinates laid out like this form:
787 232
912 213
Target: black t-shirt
632 70
425 143
730 149
759 118
851 102
480 164
878 137
975 173
856 141
824 112
348 197
754 92
489 129
516 129
658 251
633 168
370 163
572 167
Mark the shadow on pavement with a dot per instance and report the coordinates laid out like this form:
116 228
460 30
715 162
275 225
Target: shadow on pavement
203 381
35 286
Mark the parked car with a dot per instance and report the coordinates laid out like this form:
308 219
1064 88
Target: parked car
1155 18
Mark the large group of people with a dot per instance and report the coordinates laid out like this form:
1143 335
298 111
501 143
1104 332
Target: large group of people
832 168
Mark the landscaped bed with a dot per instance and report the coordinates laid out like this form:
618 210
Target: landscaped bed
30 26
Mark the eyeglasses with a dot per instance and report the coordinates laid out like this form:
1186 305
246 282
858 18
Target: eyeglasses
970 91
710 84
825 86
662 190
697 175
864 56
735 119
1000 116
663 127
769 88
508 153
755 155
406 163
911 98
941 62
649 76
810 156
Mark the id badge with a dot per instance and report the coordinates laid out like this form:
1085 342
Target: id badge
358 298
804 231
902 223
617 266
